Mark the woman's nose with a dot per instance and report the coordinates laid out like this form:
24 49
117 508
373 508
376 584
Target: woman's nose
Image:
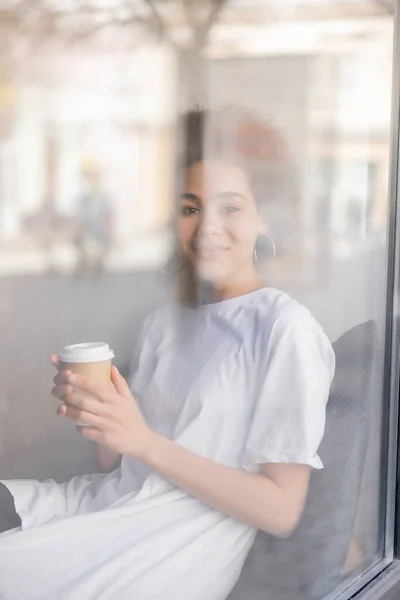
209 223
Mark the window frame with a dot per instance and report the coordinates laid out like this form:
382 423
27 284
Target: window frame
382 581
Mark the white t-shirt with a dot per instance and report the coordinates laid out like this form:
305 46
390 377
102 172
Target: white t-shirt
241 382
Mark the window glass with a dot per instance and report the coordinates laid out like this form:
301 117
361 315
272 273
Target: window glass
308 69
172 174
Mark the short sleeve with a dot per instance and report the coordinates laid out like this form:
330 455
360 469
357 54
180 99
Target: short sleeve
297 368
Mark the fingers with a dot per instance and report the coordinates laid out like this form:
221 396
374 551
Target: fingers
76 414
119 382
55 361
91 433
67 393
60 391
61 410
101 392
62 378
83 402
84 386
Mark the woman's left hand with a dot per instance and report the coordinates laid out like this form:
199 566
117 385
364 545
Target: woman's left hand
110 412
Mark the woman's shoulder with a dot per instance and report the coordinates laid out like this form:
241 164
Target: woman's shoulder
287 317
293 328
280 306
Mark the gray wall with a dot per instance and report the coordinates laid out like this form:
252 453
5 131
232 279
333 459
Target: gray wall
38 316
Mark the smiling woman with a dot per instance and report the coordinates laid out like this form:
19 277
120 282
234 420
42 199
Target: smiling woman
217 440
219 224
234 164
231 468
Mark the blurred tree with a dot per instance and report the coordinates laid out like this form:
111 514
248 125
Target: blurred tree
28 26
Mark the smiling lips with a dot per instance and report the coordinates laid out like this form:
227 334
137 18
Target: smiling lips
208 251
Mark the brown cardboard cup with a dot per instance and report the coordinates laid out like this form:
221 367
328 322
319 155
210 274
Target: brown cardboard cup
93 360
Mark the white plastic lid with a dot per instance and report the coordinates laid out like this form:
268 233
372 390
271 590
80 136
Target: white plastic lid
87 352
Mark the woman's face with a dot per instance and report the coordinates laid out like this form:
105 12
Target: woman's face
218 222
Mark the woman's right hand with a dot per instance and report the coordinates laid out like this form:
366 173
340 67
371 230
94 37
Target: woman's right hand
107 459
55 361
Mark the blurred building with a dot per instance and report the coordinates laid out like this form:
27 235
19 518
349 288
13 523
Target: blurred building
309 66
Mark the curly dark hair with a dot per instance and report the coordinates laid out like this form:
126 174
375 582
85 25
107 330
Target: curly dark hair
237 136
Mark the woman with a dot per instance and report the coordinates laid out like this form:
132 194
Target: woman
219 428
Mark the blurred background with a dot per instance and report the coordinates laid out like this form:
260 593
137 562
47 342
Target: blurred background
89 95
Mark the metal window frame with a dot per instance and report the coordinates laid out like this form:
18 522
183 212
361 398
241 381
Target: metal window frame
382 581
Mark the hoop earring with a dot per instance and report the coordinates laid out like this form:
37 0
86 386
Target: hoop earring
173 271
272 244
271 241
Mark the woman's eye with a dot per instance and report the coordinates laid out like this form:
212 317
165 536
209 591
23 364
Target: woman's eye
190 210
229 208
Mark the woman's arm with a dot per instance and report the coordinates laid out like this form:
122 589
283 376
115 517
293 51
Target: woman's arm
245 496
272 500
107 459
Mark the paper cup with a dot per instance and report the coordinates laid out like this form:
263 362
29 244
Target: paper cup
92 359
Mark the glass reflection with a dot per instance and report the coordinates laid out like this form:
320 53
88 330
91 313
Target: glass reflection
99 209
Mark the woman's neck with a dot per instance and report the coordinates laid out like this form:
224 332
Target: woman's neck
232 289
191 291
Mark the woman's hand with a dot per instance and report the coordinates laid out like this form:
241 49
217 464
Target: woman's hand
112 415
272 500
107 459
